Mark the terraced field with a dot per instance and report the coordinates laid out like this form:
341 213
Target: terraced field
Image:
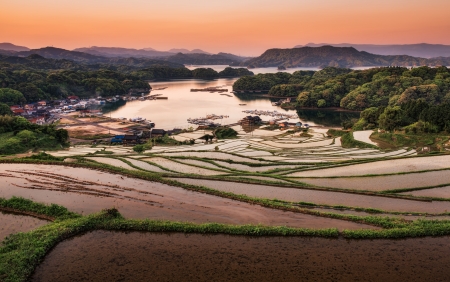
268 183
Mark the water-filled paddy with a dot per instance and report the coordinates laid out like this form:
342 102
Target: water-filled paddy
212 155
322 197
440 192
182 168
115 256
145 166
383 183
110 161
382 167
14 223
89 191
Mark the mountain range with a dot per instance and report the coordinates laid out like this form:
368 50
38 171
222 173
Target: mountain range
95 54
345 57
422 50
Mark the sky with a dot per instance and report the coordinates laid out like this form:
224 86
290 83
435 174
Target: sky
242 27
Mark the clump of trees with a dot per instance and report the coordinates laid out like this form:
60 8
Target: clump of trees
18 135
355 89
164 72
225 133
27 86
416 116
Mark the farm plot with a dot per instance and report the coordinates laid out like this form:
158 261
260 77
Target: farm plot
383 183
253 168
182 168
88 191
213 155
322 197
14 223
111 161
145 166
382 167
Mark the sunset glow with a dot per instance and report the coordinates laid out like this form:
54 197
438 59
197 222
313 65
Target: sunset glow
245 27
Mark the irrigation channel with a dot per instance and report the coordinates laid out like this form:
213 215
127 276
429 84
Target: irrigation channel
117 256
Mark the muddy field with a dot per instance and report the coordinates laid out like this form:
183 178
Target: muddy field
381 167
14 223
322 197
383 183
88 191
114 256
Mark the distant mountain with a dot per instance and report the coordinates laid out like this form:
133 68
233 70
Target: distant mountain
92 60
335 57
12 47
58 53
422 50
234 57
204 59
186 51
123 52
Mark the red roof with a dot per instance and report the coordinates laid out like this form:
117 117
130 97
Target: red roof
18 111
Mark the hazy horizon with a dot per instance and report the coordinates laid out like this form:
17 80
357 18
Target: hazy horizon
246 28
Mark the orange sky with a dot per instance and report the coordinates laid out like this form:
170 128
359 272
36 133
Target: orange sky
245 27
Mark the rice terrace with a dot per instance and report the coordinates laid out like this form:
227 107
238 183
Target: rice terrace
224 140
240 192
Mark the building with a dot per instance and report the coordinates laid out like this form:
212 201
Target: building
157 133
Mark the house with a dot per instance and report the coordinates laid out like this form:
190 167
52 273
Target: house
73 98
284 124
157 133
18 111
42 103
37 120
29 107
130 139
15 107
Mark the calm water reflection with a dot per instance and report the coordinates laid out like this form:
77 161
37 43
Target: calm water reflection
183 104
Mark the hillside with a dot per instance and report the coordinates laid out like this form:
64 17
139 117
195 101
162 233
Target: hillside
204 59
58 53
422 50
11 47
123 52
336 57
72 59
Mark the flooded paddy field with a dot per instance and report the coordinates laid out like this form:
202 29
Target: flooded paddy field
11 223
383 183
115 256
182 168
440 192
213 155
381 167
322 197
111 161
89 191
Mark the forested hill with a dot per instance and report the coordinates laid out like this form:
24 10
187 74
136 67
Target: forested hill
345 57
206 59
89 59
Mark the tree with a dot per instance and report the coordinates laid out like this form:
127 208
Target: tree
139 148
5 110
27 136
392 118
11 97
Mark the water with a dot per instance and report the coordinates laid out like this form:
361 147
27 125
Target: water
183 104
115 256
